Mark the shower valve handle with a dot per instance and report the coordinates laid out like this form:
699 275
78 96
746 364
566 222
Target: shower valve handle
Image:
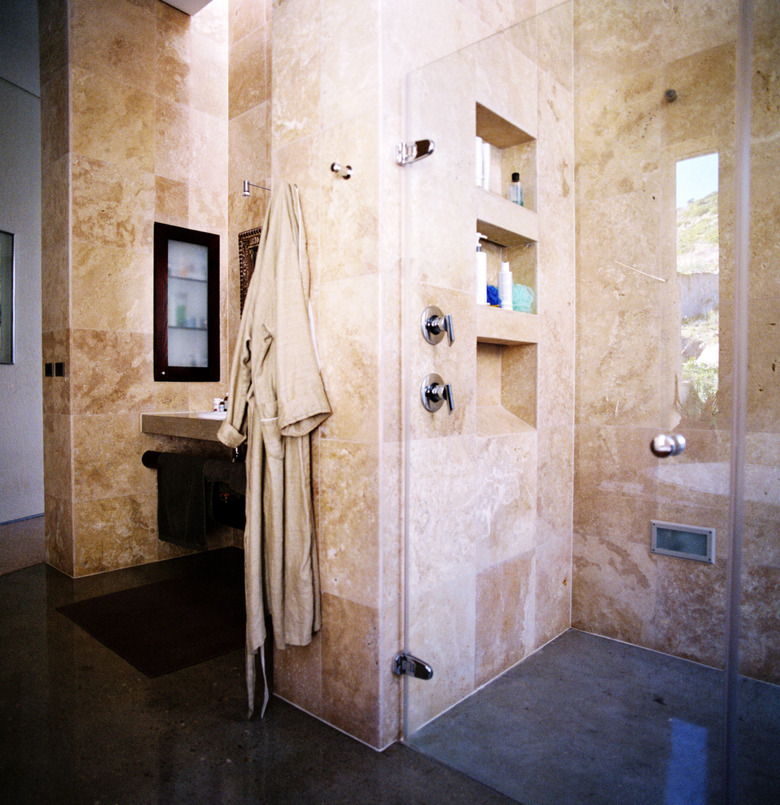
433 393
435 324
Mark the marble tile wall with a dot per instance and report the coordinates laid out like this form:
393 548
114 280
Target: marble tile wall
628 140
135 130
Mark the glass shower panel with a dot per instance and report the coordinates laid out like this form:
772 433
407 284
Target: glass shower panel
496 571
480 596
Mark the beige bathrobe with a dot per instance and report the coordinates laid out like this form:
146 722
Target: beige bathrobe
276 398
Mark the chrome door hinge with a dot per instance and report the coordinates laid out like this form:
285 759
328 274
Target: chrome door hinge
405 664
406 153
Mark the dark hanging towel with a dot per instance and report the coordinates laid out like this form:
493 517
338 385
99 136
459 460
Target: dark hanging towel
181 500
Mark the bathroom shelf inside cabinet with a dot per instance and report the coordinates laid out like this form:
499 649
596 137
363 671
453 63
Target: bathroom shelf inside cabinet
497 326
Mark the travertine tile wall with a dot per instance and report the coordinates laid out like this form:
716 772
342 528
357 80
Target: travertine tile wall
338 78
135 107
628 140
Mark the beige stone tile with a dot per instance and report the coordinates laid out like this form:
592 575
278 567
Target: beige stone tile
250 155
506 81
55 255
704 82
688 27
759 626
296 65
106 454
555 484
689 612
614 588
57 469
114 38
391 524
555 35
298 675
348 534
111 121
209 77
112 533
612 38
208 163
348 351
489 374
443 509
391 686
110 206
553 577
173 139
505 607
440 226
519 381
170 201
350 672
245 16
456 364
250 75
58 525
111 372
349 244
556 369
112 288
173 51
505 508
55 348
350 50
443 632
619 126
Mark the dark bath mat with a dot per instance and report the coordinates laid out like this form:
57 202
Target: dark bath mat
168 625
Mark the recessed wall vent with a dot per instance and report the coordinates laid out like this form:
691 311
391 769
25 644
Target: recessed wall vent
683 541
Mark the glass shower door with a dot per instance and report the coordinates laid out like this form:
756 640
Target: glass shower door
536 504
489 479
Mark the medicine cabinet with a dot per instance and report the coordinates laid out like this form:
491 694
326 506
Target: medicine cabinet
186 304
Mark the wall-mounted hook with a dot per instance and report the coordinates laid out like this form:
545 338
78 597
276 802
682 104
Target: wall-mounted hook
345 171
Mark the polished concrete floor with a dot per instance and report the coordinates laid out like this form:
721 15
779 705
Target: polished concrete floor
80 725
592 720
584 720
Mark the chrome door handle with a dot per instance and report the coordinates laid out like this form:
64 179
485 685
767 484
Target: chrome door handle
665 445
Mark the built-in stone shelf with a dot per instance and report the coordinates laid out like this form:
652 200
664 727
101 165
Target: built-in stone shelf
497 326
493 420
504 222
187 425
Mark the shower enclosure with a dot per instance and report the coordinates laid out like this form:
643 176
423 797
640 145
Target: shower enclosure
533 500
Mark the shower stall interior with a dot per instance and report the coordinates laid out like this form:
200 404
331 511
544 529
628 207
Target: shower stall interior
533 500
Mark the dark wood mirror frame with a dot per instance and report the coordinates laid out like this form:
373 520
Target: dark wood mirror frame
189 270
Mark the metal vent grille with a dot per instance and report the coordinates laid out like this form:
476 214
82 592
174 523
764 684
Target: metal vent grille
683 541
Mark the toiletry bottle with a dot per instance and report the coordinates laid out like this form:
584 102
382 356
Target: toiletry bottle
515 192
486 158
505 286
481 273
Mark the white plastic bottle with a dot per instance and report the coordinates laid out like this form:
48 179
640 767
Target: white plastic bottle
481 273
505 286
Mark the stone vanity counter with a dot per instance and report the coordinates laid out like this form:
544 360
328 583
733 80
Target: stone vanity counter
189 425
